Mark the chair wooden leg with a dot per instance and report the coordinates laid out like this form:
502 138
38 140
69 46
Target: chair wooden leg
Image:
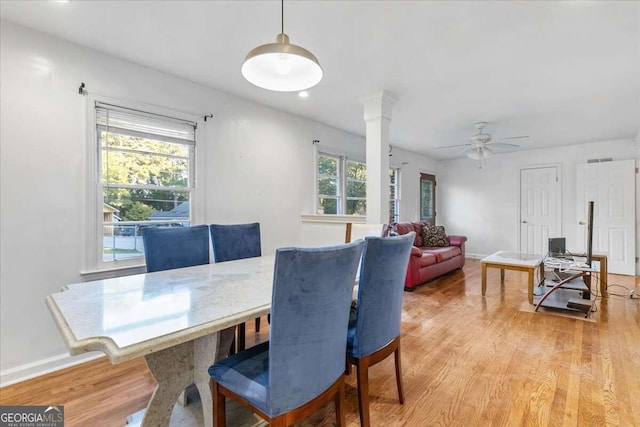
341 420
232 350
399 374
280 421
362 371
241 335
257 324
347 367
219 409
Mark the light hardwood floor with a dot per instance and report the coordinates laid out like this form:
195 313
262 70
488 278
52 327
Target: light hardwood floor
467 361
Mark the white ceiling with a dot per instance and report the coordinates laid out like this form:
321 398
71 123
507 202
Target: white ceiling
561 72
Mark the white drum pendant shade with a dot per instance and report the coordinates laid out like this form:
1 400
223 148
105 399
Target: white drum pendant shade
282 67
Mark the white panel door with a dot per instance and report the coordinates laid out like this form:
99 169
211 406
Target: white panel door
611 186
539 210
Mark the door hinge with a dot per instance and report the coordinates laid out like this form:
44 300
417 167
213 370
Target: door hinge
637 260
636 170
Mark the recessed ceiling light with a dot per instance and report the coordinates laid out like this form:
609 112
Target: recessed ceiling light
303 94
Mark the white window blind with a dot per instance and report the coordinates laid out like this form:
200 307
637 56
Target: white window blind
144 125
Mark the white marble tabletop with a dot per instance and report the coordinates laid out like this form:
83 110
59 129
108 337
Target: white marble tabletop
133 316
514 258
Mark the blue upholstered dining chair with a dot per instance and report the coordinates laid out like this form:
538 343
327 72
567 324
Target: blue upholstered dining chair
166 248
237 241
175 247
374 324
295 373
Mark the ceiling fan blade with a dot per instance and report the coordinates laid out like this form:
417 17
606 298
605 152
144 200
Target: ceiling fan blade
513 137
452 146
502 144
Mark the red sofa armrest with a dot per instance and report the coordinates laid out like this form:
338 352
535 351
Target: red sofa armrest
457 240
415 251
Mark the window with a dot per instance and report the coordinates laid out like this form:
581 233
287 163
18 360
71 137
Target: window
145 176
329 184
356 188
394 195
342 187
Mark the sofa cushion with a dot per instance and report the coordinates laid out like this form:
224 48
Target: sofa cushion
443 253
407 227
427 259
434 236
417 227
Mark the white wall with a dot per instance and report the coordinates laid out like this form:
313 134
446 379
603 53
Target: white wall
483 203
411 166
258 166
637 144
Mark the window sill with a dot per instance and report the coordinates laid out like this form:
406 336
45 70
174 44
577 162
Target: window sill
340 219
110 273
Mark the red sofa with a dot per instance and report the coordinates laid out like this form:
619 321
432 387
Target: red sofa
427 263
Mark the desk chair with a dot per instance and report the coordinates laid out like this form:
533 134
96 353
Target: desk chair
374 326
237 241
301 368
355 231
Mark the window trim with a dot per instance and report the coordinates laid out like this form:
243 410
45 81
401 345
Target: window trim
93 216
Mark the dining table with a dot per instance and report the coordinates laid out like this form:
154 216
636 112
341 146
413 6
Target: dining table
181 321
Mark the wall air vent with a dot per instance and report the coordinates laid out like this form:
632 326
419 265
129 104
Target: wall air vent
602 160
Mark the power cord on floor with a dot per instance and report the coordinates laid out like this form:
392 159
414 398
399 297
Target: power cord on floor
631 293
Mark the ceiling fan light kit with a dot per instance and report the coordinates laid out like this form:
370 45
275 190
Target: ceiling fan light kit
479 153
282 66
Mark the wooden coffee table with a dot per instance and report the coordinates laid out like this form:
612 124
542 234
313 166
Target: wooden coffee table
513 261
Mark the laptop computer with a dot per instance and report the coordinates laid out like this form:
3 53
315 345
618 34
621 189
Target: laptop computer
557 247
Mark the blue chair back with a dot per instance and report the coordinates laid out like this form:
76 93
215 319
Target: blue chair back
380 288
168 248
312 291
236 241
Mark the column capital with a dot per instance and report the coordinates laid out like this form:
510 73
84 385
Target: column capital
378 105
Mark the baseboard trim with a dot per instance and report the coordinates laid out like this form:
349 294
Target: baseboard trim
474 256
44 366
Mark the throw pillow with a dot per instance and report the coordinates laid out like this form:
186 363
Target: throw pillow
434 236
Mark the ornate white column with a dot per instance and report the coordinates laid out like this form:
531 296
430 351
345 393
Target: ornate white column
377 115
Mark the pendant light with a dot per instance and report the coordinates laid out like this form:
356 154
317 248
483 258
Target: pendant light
281 66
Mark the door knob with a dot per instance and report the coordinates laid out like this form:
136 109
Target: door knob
524 221
581 223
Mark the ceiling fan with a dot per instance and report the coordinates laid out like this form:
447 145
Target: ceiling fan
481 145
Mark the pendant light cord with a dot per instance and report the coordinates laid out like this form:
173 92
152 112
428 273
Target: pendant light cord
282 16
